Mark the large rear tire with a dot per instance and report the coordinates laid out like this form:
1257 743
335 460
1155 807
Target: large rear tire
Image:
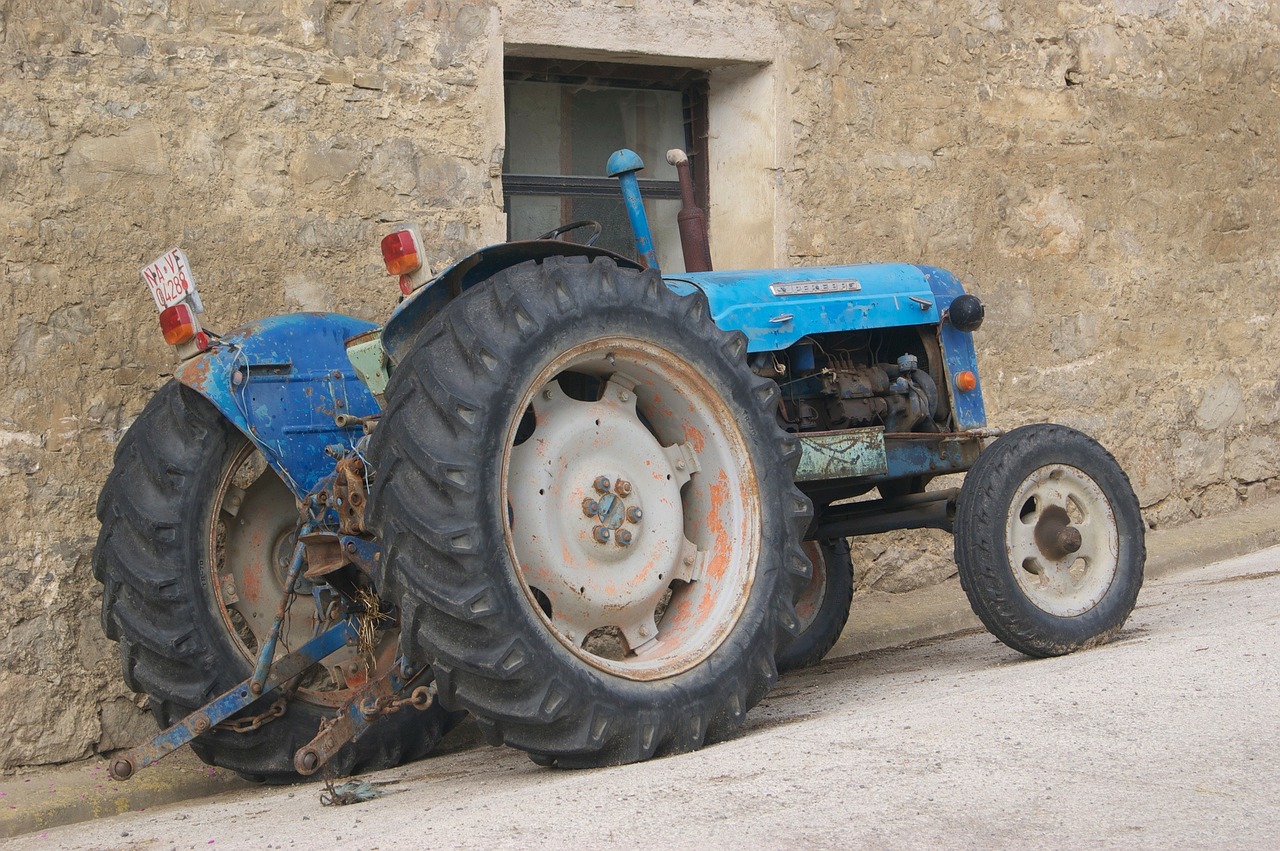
588 514
1049 541
196 536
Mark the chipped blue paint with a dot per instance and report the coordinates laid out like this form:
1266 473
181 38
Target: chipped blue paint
239 697
929 454
282 381
888 295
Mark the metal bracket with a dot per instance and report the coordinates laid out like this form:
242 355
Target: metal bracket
358 714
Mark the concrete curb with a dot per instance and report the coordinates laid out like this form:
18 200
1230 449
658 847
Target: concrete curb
43 797
49 796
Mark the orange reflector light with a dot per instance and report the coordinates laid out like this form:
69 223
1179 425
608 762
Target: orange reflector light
178 324
966 381
400 253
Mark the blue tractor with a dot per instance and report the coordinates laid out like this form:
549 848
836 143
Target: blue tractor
595 506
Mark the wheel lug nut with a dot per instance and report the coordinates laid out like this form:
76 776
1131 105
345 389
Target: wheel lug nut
634 515
601 484
623 538
590 507
601 534
623 487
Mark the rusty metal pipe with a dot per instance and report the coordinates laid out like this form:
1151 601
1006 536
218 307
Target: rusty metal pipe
691 219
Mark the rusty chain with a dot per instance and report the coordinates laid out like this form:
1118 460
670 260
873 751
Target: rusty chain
327 724
420 699
368 627
248 725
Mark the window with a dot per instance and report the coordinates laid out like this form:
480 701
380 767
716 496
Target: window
565 118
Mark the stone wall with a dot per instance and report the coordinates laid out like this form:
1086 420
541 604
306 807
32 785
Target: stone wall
1102 173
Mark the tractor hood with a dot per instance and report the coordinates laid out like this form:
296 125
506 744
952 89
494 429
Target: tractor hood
777 307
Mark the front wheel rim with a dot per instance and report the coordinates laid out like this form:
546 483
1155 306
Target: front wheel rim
1062 540
632 514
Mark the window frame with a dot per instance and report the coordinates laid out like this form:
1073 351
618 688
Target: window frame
694 87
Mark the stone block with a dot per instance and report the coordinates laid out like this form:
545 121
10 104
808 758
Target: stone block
1221 404
1253 458
1040 224
1200 460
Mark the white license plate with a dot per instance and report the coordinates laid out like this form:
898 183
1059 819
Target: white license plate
170 279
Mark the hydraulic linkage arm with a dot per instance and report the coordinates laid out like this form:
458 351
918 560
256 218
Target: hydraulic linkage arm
379 696
241 696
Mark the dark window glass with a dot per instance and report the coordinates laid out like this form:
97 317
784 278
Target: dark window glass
564 120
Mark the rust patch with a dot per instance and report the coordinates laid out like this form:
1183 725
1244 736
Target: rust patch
350 487
695 438
720 496
251 587
195 373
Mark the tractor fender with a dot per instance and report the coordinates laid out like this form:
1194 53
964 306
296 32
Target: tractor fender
286 382
420 307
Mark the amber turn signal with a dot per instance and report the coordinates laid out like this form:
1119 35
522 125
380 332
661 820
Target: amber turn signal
401 253
966 381
178 324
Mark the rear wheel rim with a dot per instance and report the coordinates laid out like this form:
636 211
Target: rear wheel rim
252 534
1062 540
632 515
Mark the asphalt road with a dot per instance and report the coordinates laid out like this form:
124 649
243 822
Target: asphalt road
1166 738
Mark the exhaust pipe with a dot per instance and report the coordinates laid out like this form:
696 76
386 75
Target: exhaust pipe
691 220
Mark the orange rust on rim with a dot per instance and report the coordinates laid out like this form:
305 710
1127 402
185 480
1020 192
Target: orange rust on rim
252 587
694 437
719 561
642 576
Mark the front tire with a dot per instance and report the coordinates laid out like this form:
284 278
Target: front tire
589 515
196 534
1049 541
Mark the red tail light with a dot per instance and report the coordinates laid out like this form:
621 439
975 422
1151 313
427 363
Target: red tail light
401 253
178 324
